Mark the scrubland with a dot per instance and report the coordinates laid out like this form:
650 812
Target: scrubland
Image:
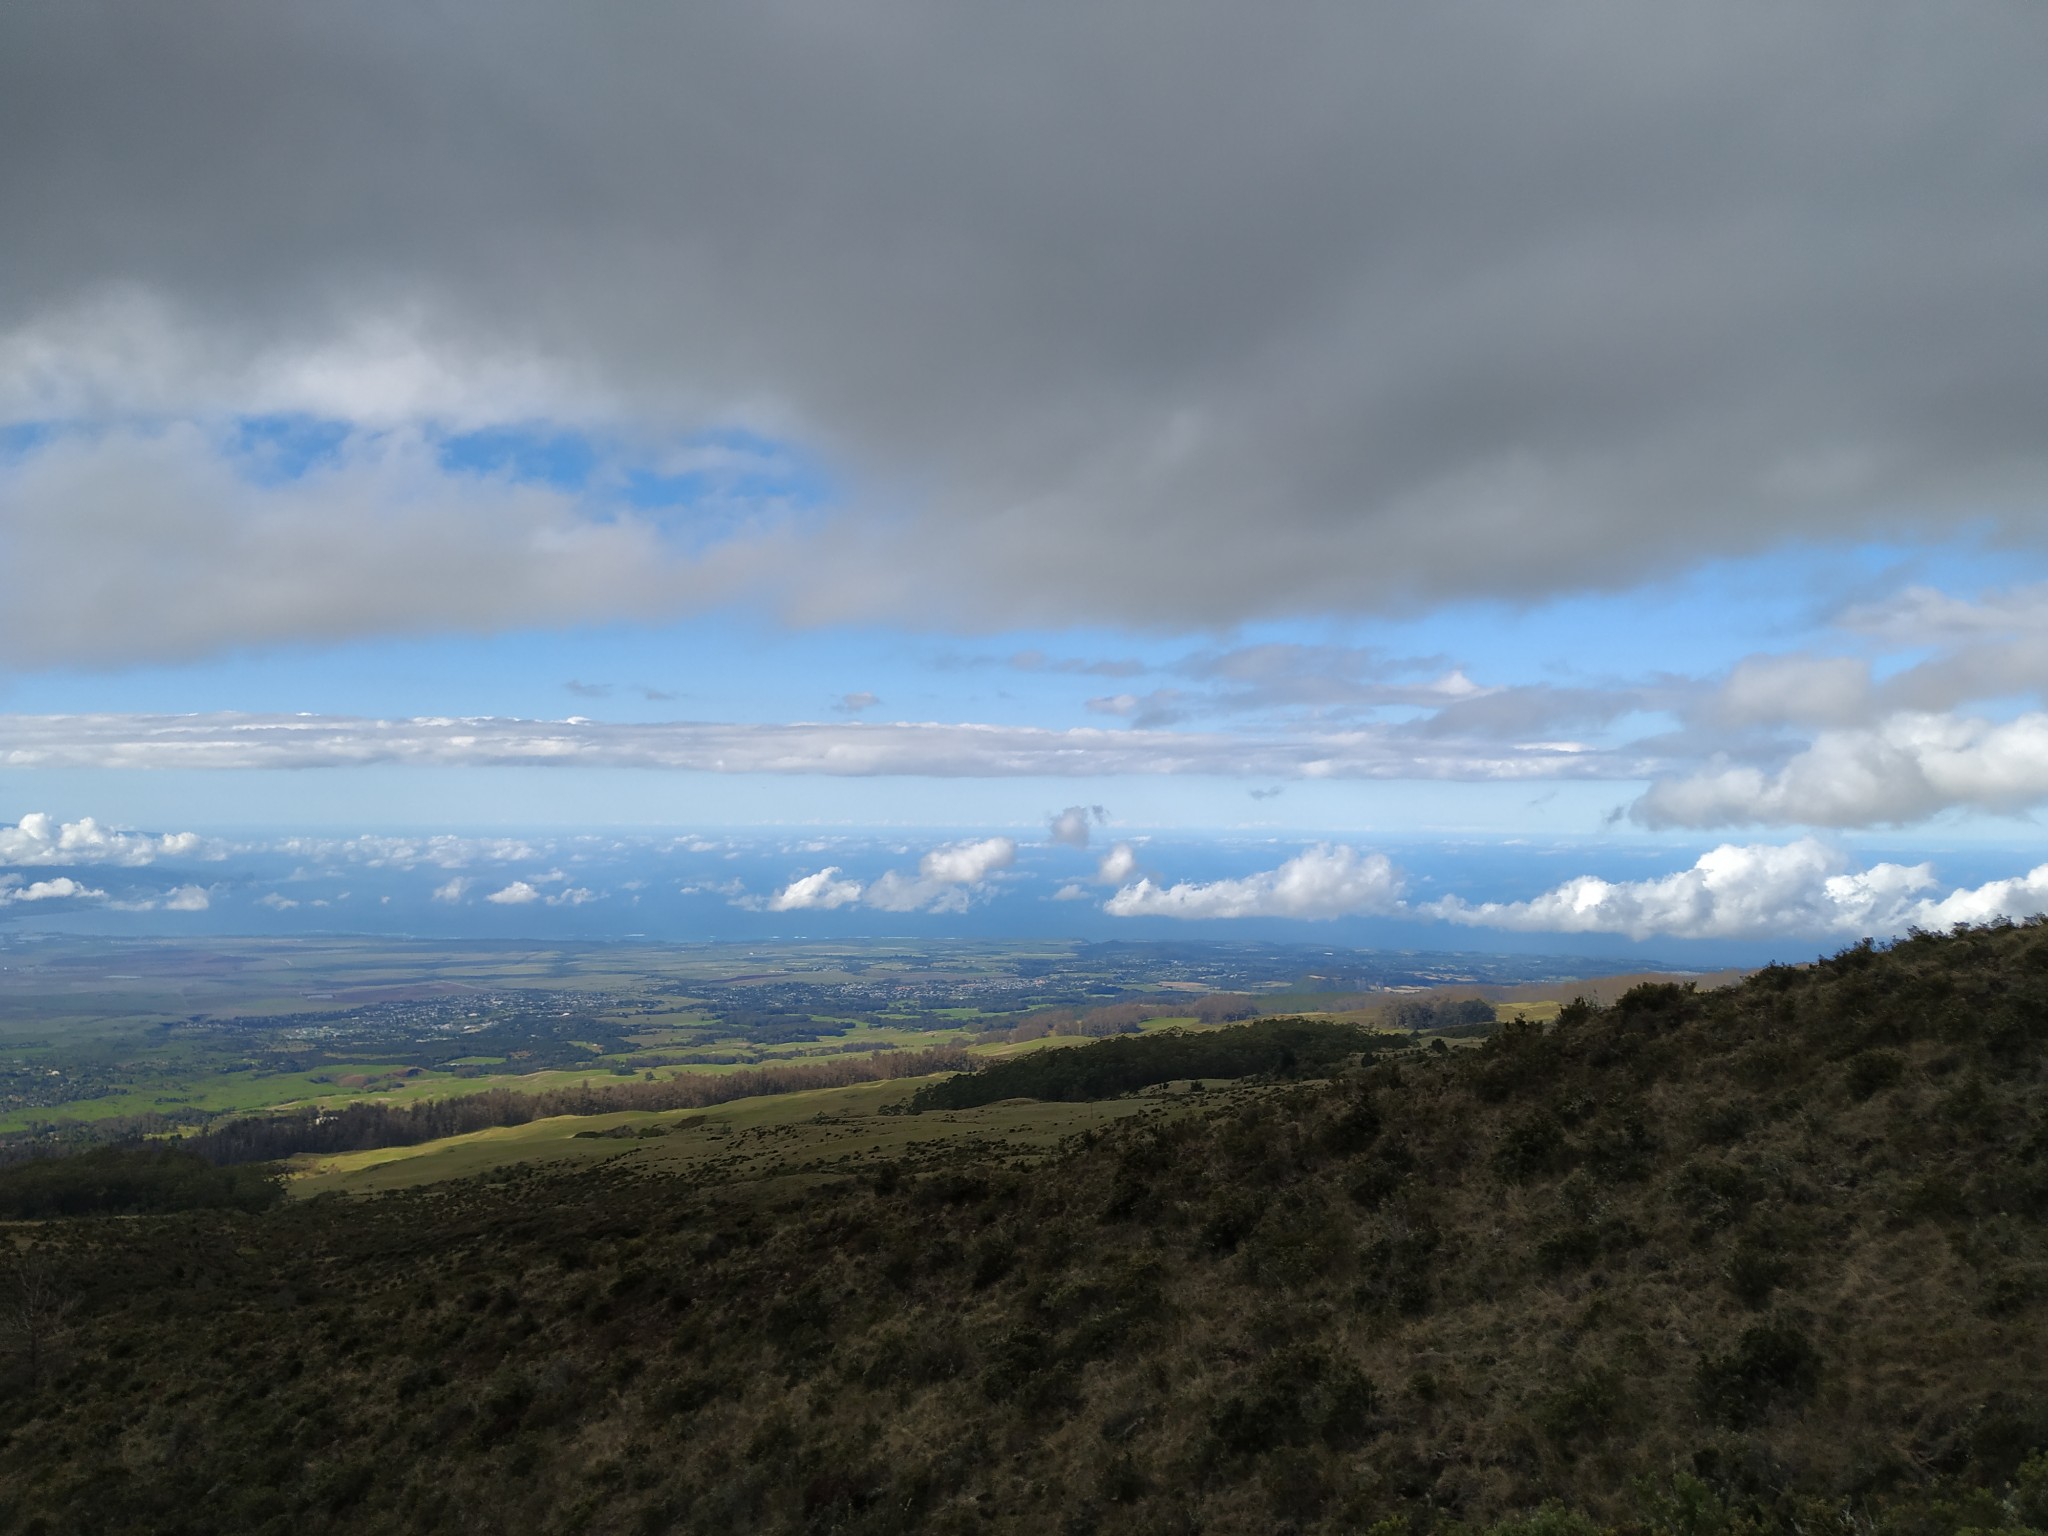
1769 1257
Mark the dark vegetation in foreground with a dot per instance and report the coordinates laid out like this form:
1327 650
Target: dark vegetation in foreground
1764 1259
131 1181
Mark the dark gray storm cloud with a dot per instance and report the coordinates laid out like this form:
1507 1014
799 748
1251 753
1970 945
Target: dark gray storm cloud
1104 311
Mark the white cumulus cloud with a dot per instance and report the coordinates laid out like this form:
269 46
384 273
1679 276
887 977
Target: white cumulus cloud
947 878
63 888
968 863
39 838
1757 891
1117 866
1326 881
1071 826
823 891
517 894
2023 896
454 890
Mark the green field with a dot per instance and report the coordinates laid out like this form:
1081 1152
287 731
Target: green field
104 1038
802 1136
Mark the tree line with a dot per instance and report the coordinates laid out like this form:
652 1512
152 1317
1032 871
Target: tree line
1108 1068
1441 1015
362 1127
1126 1017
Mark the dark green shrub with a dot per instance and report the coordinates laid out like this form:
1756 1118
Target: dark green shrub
1352 1131
1715 1192
1583 1243
1380 1182
1400 1270
1727 1121
1230 1221
2030 1487
1772 1363
1532 1145
1350 1399
1550 1520
1871 1072
1654 1001
990 1259
1755 1270
1770 1064
1298 1242
1583 1409
1020 1354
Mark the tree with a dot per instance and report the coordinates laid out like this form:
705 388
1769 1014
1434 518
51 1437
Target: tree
32 1317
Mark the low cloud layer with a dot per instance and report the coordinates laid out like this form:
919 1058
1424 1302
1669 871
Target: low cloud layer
948 879
1900 711
1326 881
1903 770
443 850
181 898
42 839
1758 891
526 893
15 891
842 749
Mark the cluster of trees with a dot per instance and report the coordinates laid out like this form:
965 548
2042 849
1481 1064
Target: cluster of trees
361 1127
1125 1018
1441 1015
1283 1047
781 1026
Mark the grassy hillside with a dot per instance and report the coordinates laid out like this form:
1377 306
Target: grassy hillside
1770 1257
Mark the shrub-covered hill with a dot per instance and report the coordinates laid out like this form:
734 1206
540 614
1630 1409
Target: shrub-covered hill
1771 1257
134 1180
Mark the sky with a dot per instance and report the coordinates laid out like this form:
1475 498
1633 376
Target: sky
1472 476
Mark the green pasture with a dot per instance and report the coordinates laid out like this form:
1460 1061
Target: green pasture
94 1014
817 1133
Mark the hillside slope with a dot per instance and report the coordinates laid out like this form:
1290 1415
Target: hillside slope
1764 1257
